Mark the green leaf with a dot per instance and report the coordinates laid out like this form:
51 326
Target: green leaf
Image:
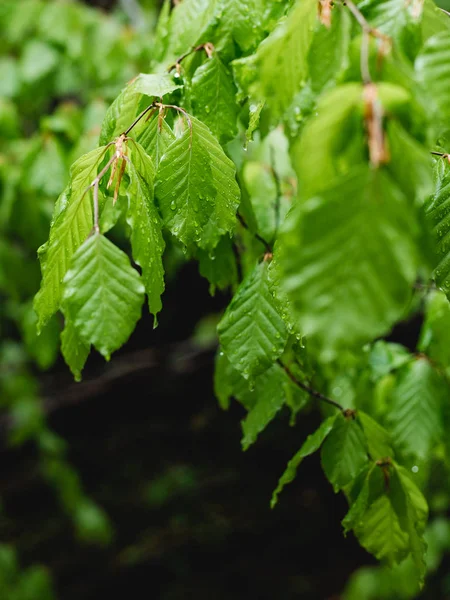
124 109
252 333
415 408
279 68
344 452
219 267
73 349
377 438
271 391
253 122
435 333
147 242
349 260
72 223
332 143
385 357
229 383
44 347
437 211
359 505
103 295
432 68
188 22
213 97
412 509
156 138
328 54
38 60
196 188
311 445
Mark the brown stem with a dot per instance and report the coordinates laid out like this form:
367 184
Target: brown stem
266 244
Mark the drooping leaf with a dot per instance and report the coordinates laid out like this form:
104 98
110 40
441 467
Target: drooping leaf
72 223
253 122
279 67
359 505
344 452
252 333
349 278
103 295
213 97
311 445
146 234
196 187
415 408
73 349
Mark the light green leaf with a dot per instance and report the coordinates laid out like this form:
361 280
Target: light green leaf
38 60
332 142
328 54
344 452
311 445
253 122
213 97
103 295
252 333
196 187
156 138
349 260
437 211
378 439
229 383
359 506
415 408
143 218
279 68
72 223
44 347
432 68
188 22
385 357
73 349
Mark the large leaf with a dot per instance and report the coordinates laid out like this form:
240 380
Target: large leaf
279 68
349 260
344 452
72 223
103 295
188 23
196 187
415 408
213 97
143 218
311 445
252 333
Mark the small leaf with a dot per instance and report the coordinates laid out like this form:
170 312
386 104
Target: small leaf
103 295
252 333
311 445
344 452
156 138
378 439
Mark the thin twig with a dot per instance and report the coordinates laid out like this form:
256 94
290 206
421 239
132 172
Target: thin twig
444 11
96 211
139 117
207 47
309 390
266 244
